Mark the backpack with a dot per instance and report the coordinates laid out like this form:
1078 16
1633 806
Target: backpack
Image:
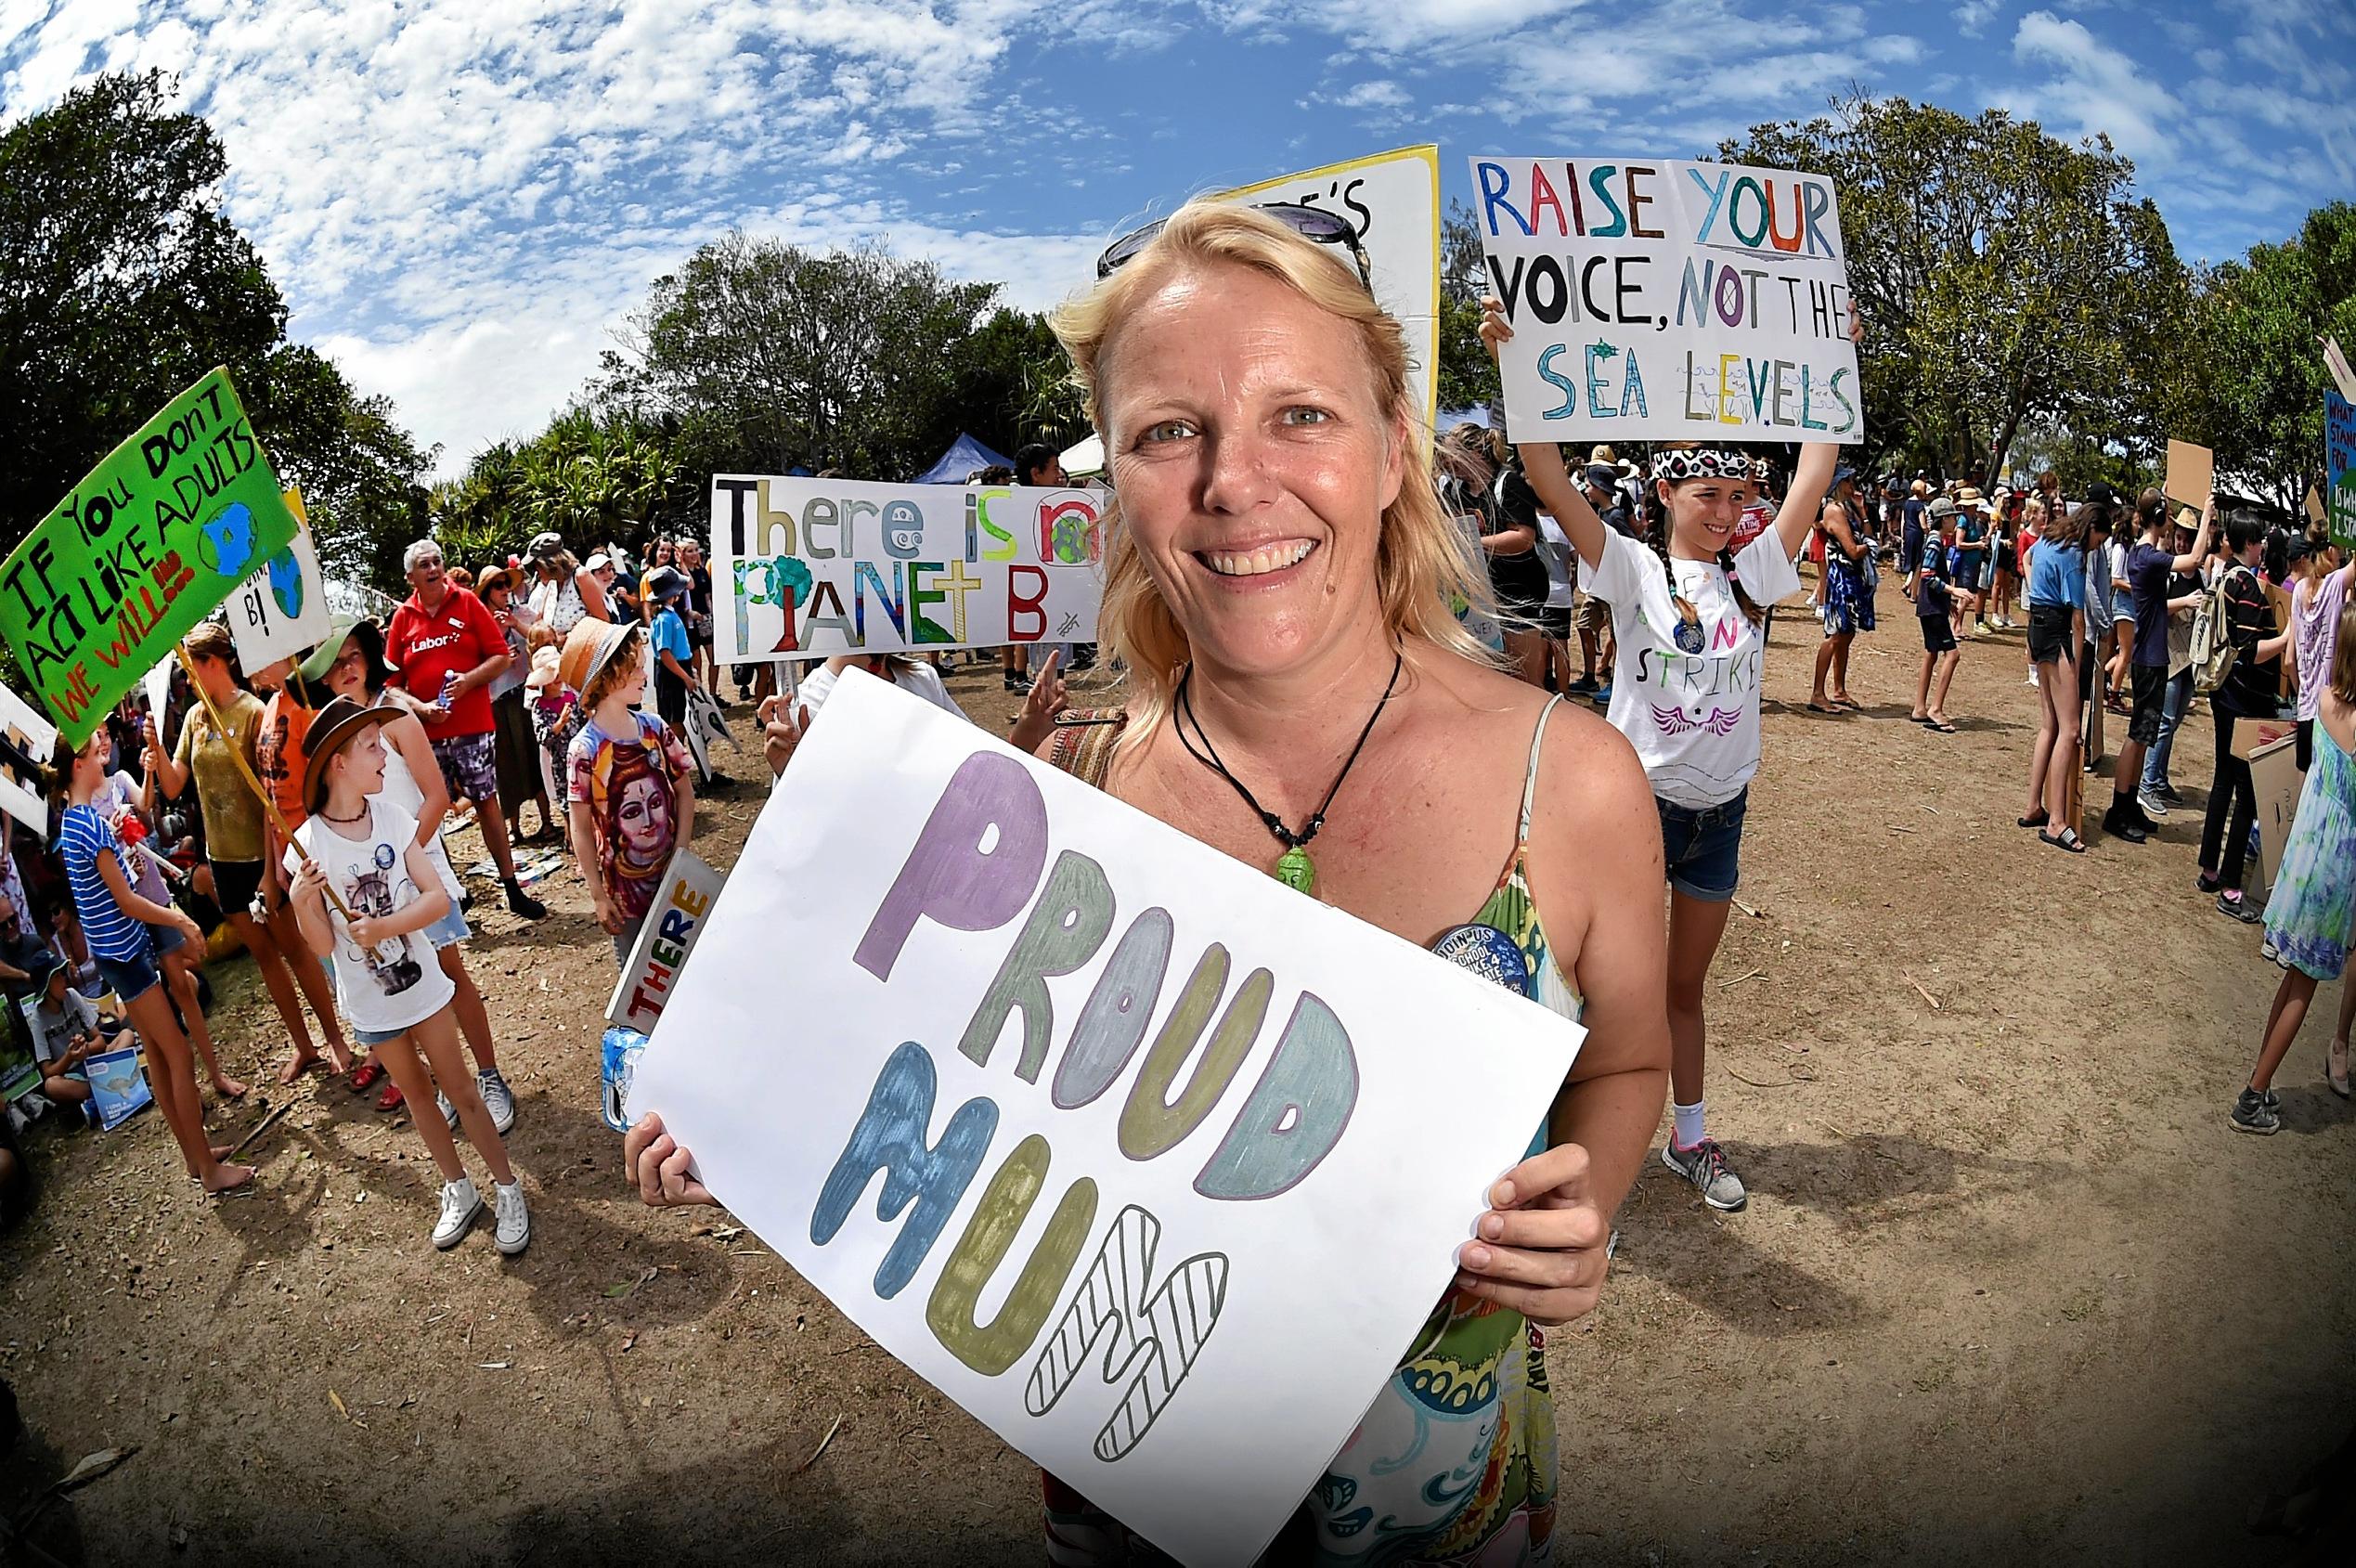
2213 637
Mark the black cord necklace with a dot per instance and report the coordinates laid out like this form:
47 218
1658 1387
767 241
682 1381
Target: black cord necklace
1293 868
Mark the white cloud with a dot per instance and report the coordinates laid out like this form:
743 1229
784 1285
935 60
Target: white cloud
1973 17
2101 90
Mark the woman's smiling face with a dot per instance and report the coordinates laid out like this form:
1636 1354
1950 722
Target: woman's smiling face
1254 458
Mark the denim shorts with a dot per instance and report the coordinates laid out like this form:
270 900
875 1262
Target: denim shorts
369 1039
451 928
129 978
1703 849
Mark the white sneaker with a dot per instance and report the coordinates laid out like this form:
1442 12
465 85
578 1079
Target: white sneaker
515 1231
497 1098
460 1203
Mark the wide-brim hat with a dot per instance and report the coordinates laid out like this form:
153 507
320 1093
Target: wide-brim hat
589 647
342 628
495 576
544 670
330 728
2189 520
1942 507
665 582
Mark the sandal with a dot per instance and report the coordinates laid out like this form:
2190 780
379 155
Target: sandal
1938 726
364 1077
391 1100
1819 707
2336 1083
2037 817
2066 839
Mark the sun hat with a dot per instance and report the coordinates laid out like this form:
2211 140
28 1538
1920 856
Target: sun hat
330 728
1942 507
342 629
546 546
665 582
588 648
1602 476
496 576
1603 454
544 670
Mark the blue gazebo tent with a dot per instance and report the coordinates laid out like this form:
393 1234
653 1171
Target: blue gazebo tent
964 456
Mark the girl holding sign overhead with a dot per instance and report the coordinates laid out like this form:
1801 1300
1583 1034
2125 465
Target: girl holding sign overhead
1690 626
1279 586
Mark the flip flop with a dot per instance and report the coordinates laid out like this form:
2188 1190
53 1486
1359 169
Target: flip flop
2035 819
2067 839
1819 708
1938 728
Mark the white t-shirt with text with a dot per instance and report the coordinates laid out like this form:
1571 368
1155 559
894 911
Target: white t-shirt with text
1686 688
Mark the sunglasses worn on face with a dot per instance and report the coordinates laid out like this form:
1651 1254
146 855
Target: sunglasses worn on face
1310 223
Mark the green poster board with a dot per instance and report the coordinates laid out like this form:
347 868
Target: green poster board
150 542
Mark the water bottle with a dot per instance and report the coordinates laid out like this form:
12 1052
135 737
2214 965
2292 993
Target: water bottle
623 1047
449 681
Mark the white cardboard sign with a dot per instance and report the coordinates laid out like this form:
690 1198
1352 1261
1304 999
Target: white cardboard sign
1656 299
933 1054
281 609
808 568
30 743
674 923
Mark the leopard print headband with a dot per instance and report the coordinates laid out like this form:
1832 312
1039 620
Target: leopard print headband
1701 462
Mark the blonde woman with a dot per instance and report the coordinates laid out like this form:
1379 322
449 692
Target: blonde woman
1279 586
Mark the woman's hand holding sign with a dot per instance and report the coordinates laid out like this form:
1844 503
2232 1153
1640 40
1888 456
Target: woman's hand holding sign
783 721
1540 1249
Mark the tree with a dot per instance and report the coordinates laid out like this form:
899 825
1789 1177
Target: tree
1467 376
121 283
2005 277
2251 384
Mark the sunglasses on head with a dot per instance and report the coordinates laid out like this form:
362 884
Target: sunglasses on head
1310 223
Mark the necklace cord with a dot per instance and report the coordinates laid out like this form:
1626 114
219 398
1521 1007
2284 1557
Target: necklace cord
1285 835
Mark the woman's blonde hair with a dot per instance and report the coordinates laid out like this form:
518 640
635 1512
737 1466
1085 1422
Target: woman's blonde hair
1424 565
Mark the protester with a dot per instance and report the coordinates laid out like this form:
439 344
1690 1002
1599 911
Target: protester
1517 574
1217 333
2184 594
2151 567
1849 601
2056 631
1934 611
1036 464
2004 561
563 592
1971 561
699 616
350 661
515 753
2319 589
630 787
2119 649
556 718
2311 918
387 894
2123 820
667 631
1705 607
65 1035
446 650
124 932
2249 691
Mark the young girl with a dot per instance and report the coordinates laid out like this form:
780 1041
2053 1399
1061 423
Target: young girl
1933 608
2312 918
117 924
2250 691
396 993
1685 692
629 788
2057 620
2319 590
351 663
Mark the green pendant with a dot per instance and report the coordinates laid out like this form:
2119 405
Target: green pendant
1294 870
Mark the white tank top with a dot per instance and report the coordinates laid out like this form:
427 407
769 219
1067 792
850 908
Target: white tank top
400 789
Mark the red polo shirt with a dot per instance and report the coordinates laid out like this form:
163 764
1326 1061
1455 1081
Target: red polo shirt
426 648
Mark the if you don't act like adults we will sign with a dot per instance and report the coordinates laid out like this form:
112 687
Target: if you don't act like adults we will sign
1154 1165
1654 299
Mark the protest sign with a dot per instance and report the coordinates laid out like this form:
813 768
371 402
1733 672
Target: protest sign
2337 363
1392 199
673 923
2339 470
2191 474
118 1086
145 547
1662 300
808 568
19 1068
1123 1240
27 743
282 609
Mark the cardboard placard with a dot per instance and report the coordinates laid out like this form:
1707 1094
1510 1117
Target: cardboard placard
118 1086
2342 376
2275 782
2251 735
282 609
808 568
2339 470
2192 472
1392 199
28 741
19 1068
150 542
673 923
1656 299
931 1052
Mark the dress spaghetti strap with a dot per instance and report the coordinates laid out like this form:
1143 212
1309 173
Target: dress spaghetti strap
1530 779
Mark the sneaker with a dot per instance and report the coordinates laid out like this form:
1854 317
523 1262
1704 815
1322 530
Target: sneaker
1603 695
523 903
1983 629
2167 792
2150 804
449 1112
497 1098
2251 1114
1704 1165
460 1203
1580 687
2267 951
2246 909
514 1232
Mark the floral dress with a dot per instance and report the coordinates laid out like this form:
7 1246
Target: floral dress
2310 915
1454 1464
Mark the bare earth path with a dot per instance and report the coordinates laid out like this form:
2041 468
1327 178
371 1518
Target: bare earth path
2008 1287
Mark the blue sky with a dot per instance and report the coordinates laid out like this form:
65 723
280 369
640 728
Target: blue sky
462 198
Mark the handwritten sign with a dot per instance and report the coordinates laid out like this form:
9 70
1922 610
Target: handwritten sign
673 923
2191 474
1098 1130
282 608
808 568
1392 199
1654 299
2339 470
27 743
144 548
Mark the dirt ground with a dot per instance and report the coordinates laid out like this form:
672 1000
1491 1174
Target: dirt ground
2008 1287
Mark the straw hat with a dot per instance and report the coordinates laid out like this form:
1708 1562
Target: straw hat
588 648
